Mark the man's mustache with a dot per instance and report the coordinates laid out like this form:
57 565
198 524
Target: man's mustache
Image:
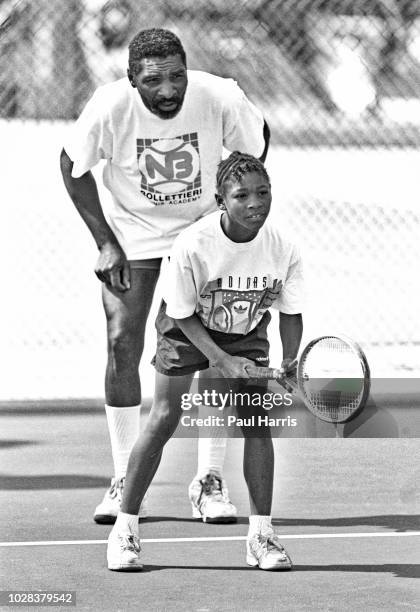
167 100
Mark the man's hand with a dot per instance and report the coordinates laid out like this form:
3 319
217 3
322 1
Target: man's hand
233 367
112 267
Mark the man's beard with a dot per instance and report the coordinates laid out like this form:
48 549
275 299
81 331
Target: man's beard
162 113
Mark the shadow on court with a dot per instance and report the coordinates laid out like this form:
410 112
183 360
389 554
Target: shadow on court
398 570
61 481
57 481
71 407
396 522
6 444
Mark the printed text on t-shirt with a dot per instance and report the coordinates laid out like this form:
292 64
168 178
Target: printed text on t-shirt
170 169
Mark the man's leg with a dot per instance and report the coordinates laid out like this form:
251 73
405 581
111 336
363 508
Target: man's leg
123 544
208 490
126 315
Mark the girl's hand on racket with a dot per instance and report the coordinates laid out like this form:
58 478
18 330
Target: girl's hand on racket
233 367
289 372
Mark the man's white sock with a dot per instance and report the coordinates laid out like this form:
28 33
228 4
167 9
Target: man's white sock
259 523
211 456
211 448
123 426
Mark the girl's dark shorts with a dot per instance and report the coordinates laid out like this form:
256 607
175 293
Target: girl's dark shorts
176 355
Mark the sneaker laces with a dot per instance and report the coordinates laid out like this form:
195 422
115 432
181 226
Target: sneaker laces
117 486
130 542
211 486
271 544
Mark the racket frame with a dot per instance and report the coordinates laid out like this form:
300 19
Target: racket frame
298 386
301 376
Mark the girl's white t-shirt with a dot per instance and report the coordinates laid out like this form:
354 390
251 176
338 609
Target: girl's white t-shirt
161 172
230 285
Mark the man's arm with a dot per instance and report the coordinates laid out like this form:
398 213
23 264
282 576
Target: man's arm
291 329
112 266
243 123
229 367
266 135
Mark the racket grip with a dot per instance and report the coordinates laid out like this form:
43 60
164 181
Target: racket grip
267 373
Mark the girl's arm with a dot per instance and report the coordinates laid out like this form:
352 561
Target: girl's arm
229 367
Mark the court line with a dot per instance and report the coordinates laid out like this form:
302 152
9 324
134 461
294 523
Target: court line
301 536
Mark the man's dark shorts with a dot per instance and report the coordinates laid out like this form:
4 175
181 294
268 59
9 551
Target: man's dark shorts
176 355
145 264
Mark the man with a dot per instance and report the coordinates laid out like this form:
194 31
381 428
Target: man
161 132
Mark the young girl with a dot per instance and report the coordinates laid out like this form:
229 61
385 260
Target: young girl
225 272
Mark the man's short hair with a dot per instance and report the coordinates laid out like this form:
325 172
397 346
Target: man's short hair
155 42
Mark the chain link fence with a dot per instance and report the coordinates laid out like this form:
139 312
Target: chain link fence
325 71
338 82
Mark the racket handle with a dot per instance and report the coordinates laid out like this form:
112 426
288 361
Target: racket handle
267 373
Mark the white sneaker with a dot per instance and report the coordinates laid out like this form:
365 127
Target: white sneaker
210 500
266 552
106 512
123 552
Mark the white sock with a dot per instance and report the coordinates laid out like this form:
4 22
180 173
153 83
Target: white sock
259 524
127 523
211 456
123 426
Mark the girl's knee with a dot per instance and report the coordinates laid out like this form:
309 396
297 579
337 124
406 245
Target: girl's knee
163 422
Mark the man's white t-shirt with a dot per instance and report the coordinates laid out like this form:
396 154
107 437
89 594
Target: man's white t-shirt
161 172
230 285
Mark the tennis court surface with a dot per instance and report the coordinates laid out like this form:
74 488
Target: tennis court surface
347 511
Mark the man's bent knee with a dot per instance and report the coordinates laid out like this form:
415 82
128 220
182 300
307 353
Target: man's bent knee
125 343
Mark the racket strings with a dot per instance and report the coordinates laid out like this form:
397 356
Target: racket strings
333 357
332 378
333 402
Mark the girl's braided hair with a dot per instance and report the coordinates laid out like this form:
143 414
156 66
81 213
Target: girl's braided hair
235 166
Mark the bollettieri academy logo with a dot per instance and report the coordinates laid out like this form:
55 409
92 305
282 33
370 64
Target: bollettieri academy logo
170 169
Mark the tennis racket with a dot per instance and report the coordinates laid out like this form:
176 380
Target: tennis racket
333 378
